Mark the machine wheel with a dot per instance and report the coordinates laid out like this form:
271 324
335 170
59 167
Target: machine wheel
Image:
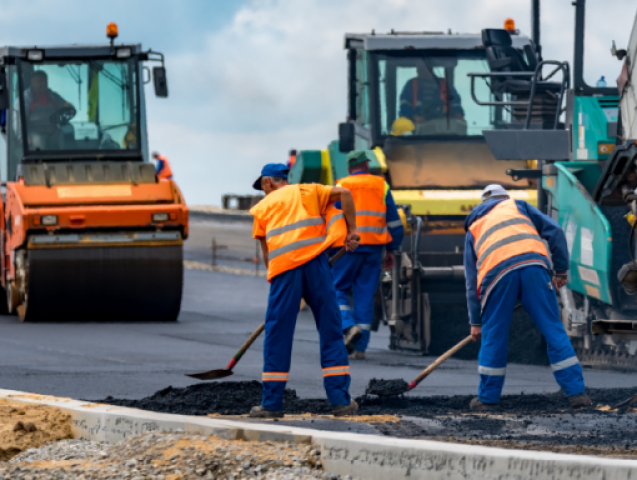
103 284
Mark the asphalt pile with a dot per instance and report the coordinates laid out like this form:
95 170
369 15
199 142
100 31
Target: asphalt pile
528 421
225 398
168 456
237 398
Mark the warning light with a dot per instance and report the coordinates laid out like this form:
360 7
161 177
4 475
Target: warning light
509 25
111 30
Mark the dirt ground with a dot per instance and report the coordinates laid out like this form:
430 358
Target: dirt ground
24 426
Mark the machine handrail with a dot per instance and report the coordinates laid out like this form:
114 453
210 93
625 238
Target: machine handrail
535 81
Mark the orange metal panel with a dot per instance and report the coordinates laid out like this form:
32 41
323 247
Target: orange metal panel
102 216
161 192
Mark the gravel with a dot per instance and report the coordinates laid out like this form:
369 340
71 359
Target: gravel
168 456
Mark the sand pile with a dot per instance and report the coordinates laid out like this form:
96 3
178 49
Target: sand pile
24 426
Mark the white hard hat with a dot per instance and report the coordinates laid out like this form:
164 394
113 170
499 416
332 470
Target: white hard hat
494 190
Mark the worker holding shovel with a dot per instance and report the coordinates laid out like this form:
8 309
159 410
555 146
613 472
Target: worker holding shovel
295 225
506 260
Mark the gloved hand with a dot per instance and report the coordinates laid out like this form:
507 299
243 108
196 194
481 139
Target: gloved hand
559 280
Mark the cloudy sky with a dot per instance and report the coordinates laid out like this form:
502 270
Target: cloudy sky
250 79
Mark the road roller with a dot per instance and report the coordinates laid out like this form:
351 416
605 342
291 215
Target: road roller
89 233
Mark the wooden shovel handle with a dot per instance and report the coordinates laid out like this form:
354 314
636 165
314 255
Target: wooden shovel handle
438 362
249 342
336 257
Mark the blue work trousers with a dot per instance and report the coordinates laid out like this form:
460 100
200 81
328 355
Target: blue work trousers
532 286
313 282
357 274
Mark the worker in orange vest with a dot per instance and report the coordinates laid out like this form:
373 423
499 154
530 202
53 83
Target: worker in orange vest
162 168
291 158
506 260
357 275
295 225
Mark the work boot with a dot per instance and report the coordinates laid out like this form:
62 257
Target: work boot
352 335
357 355
344 410
478 406
260 412
580 400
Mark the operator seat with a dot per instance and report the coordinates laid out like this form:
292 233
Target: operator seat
503 57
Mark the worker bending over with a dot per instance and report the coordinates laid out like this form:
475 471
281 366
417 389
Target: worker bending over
380 228
505 260
296 224
162 168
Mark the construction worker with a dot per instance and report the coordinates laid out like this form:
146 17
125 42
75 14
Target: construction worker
381 229
162 167
296 224
291 158
506 260
44 109
432 103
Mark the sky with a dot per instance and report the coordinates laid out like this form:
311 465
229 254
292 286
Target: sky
251 79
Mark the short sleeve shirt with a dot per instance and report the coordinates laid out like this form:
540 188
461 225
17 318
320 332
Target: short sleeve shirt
315 198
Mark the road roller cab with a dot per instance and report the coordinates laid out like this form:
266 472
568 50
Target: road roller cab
89 232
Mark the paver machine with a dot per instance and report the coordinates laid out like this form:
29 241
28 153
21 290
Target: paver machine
89 232
584 141
410 102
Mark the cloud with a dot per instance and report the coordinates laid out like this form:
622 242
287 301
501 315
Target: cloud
249 80
275 77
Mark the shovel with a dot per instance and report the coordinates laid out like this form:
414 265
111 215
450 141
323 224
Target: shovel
226 372
397 387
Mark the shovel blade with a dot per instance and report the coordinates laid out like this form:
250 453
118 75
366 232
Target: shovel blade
211 374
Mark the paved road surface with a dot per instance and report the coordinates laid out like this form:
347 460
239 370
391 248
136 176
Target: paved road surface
93 360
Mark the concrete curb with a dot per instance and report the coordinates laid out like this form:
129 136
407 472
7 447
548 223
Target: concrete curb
362 456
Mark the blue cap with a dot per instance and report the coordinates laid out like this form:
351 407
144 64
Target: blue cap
271 170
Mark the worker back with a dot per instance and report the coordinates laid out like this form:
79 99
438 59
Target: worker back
369 193
165 171
501 234
295 230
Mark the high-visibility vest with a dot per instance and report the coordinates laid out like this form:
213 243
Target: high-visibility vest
444 93
294 237
369 193
166 171
501 234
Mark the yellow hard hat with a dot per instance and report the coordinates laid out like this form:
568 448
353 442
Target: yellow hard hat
401 126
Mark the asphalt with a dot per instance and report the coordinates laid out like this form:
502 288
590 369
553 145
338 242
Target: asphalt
88 360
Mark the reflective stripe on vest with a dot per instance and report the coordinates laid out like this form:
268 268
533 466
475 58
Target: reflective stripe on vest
369 193
166 171
294 237
501 234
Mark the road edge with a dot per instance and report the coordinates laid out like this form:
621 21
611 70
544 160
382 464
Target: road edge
361 456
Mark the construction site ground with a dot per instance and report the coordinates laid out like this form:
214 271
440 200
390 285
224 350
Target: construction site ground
125 362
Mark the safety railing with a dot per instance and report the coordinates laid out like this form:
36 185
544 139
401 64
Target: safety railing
536 81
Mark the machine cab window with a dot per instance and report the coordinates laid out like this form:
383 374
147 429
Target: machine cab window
75 105
428 94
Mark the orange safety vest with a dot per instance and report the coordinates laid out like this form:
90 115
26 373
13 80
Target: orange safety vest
165 171
501 234
444 93
371 211
294 237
